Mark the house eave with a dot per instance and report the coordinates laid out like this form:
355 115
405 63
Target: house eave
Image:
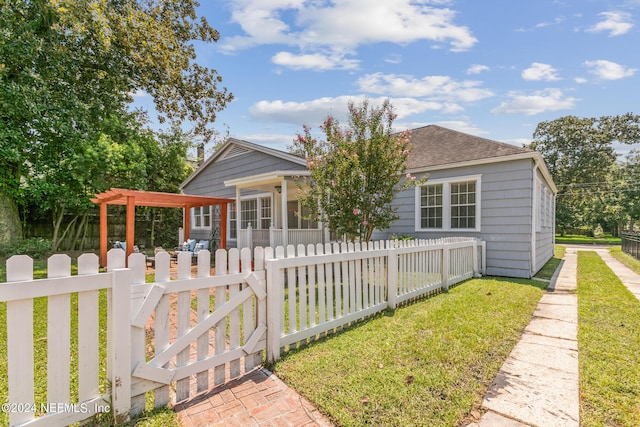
535 156
265 178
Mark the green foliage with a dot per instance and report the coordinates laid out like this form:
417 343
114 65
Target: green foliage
579 153
68 69
35 247
356 171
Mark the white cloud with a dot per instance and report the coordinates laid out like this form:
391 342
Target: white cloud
616 23
316 61
314 112
344 25
539 71
539 102
607 70
580 80
477 69
434 87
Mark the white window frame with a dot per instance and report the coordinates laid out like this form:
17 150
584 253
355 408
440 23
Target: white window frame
202 216
259 198
446 204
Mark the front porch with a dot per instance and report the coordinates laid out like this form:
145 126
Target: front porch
268 212
273 237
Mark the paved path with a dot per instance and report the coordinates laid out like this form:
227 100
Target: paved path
629 278
258 398
538 383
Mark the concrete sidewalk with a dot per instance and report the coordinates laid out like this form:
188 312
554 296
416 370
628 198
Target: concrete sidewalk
538 383
629 278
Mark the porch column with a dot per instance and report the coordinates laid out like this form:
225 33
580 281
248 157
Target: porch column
285 219
238 217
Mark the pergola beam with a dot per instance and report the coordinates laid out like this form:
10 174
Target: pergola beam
133 198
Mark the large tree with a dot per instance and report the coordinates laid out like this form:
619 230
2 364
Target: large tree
355 171
69 67
581 157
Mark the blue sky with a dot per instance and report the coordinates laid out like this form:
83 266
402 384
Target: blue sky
492 68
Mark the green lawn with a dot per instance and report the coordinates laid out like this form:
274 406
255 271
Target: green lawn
609 346
428 363
585 240
551 266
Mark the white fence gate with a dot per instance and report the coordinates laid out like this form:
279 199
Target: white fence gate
197 332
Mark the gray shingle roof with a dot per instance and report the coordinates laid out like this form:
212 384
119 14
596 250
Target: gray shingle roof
434 146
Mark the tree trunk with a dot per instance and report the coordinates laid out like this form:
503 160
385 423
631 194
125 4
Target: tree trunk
10 225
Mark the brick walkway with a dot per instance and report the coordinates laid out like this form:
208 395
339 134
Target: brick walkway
258 398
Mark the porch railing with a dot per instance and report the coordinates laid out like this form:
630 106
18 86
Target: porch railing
251 238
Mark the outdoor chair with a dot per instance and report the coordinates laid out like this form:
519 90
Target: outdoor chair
123 245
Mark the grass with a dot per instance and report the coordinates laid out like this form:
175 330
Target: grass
429 363
609 344
546 272
150 418
586 240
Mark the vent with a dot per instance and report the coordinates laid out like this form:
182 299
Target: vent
233 151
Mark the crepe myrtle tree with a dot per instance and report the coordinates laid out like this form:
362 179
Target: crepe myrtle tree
355 171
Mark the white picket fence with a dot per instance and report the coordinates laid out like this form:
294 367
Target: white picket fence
198 332
335 285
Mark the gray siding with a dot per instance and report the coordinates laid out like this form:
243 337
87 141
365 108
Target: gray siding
210 181
506 203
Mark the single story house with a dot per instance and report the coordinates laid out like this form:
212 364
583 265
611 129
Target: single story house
476 187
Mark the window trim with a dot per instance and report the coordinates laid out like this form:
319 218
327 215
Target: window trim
446 204
258 198
202 216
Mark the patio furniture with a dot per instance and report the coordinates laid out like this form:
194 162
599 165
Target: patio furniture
151 260
123 245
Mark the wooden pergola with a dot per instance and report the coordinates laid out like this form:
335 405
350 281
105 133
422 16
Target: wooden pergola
133 198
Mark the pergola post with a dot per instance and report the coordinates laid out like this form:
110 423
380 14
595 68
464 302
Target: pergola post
224 207
103 234
133 198
130 224
186 221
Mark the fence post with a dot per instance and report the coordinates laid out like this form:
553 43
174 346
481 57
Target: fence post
476 245
120 347
392 278
445 266
275 287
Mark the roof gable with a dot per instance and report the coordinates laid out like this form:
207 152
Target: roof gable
236 147
434 146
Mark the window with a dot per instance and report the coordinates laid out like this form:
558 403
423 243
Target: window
233 229
298 216
545 207
249 213
265 212
202 217
431 206
463 205
449 204
256 211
